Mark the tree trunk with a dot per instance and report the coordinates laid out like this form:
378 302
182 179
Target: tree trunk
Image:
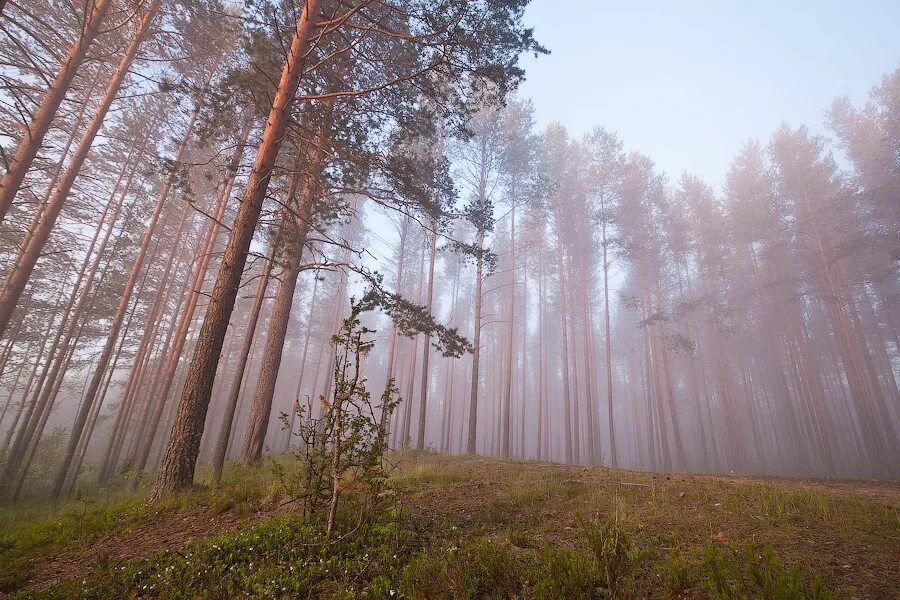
542 451
177 468
392 347
564 329
429 297
160 393
238 385
614 460
446 421
476 344
507 384
24 265
295 226
306 339
31 143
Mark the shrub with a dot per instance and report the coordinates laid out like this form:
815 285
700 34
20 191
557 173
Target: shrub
343 448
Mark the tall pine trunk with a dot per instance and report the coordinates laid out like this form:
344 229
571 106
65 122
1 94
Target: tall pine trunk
31 142
31 252
429 298
510 361
218 461
293 232
476 344
177 468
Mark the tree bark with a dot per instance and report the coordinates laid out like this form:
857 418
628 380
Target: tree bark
429 298
392 347
564 329
510 360
304 186
24 265
476 344
31 143
177 468
613 454
163 387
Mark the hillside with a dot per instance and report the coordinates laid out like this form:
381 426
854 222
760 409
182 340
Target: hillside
454 527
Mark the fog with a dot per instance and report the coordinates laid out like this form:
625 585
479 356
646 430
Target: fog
183 234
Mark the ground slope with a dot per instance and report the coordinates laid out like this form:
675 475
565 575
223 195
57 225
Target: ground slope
687 536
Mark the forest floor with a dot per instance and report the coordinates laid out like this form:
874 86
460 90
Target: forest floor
468 527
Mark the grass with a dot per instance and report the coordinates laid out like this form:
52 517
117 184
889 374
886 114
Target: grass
36 529
464 527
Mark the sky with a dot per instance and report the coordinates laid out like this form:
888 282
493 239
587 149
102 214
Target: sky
688 82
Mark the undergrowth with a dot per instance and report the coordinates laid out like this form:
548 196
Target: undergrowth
31 530
390 554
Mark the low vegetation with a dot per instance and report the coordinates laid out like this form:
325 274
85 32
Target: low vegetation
459 527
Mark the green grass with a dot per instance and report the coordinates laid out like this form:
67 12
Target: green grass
479 528
283 557
32 530
733 573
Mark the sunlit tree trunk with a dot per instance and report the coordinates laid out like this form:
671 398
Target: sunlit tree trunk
177 468
21 271
30 144
292 234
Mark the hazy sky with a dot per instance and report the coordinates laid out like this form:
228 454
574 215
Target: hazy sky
687 82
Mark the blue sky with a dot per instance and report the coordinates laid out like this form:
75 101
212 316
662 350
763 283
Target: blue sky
688 82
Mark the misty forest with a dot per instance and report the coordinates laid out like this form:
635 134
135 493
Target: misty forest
301 299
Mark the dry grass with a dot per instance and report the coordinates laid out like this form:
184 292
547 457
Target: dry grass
847 532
